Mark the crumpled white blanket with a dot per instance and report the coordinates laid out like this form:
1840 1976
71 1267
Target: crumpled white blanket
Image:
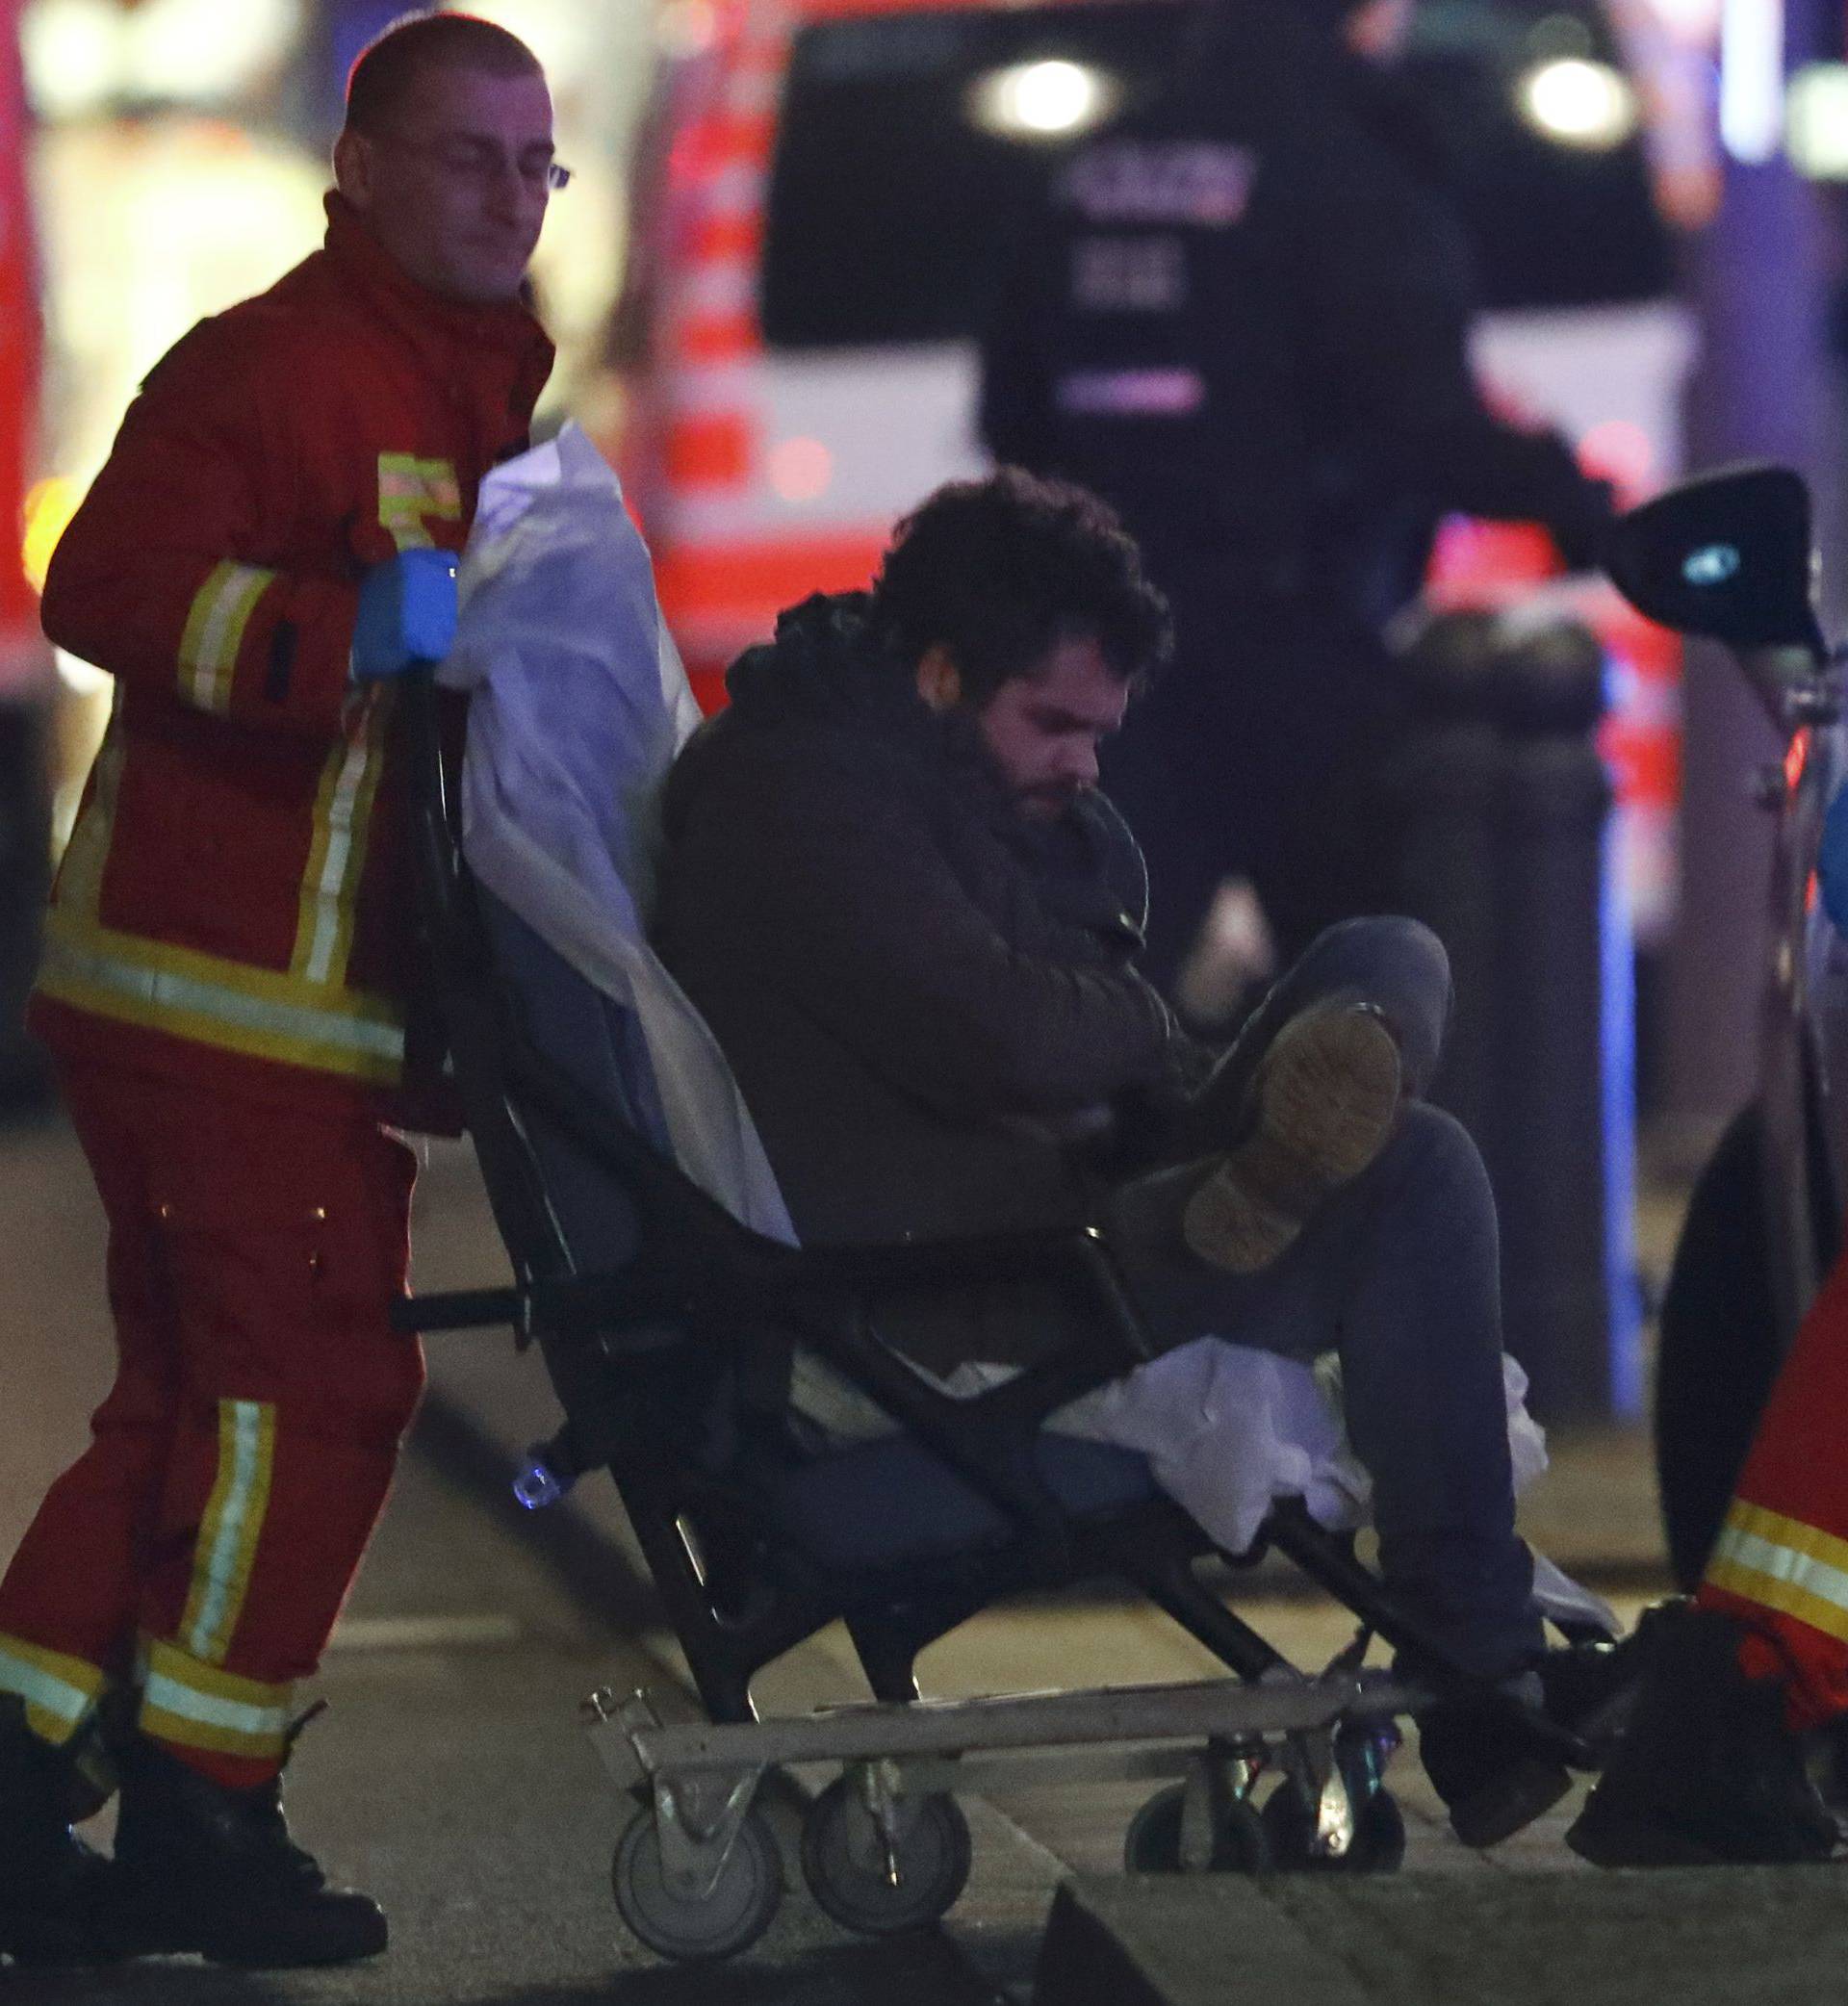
579 702
1204 1410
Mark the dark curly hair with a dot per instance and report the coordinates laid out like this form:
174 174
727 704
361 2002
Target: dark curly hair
1000 571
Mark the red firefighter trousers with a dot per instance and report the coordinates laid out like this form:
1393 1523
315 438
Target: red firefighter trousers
1781 1562
201 1547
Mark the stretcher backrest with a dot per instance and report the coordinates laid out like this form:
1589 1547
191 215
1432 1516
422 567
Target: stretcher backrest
594 1043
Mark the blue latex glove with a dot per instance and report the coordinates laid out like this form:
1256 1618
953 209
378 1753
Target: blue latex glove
1831 862
406 614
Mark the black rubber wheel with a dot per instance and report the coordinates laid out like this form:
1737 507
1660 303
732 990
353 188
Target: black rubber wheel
844 1862
729 1919
1152 1844
1379 1834
1718 1353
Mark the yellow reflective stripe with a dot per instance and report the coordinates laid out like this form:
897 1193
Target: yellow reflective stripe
221 610
220 1003
233 1524
1755 1521
337 857
1783 1564
59 1691
80 877
1751 1584
201 1705
410 489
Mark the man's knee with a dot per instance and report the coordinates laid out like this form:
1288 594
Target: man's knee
1400 966
1433 1155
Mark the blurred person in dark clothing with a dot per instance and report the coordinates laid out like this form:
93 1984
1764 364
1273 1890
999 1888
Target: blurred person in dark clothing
1243 320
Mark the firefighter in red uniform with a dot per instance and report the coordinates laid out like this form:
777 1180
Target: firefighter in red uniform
1713 1768
224 992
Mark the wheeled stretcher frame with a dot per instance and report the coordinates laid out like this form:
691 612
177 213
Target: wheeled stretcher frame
683 1295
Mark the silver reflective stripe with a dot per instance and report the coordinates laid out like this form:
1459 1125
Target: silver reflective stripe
226 1568
1783 1563
38 1688
164 989
214 1711
331 898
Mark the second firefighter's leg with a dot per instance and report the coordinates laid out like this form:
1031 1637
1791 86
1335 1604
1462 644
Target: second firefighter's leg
1712 1767
296 1394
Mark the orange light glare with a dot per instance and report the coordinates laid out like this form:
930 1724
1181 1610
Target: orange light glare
49 506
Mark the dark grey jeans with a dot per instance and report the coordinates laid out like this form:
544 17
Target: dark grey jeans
1398 1273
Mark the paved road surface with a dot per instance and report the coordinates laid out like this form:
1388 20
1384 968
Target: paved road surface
451 1778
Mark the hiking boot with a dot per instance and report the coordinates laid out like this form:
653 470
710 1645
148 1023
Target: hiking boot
1326 1094
200 1866
1708 1773
51 1883
1501 1757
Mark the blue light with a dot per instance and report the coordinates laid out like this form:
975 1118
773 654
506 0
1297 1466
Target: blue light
1712 564
536 1487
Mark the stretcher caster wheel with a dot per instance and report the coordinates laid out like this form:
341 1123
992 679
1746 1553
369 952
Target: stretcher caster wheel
733 1915
1377 1846
878 1886
1152 1844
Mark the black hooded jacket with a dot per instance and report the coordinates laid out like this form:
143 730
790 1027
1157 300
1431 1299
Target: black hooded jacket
925 1000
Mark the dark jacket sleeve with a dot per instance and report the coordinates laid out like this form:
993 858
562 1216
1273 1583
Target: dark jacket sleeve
1384 309
837 891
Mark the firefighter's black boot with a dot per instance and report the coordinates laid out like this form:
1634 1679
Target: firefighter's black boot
203 1868
51 1884
1707 1773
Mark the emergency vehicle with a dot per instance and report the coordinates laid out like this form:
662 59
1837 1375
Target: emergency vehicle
823 198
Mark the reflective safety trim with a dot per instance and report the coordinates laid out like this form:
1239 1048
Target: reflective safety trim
1131 393
409 490
60 1692
218 1002
79 890
201 1705
337 857
1783 1564
221 610
233 1524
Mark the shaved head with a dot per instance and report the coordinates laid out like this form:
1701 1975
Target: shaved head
381 84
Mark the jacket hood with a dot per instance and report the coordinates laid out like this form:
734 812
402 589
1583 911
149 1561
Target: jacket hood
830 665
829 662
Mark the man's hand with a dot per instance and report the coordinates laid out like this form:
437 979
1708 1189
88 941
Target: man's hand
406 614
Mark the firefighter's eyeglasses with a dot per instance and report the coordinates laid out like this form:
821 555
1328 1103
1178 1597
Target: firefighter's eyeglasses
481 164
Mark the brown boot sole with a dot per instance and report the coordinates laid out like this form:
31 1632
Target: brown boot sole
1327 1095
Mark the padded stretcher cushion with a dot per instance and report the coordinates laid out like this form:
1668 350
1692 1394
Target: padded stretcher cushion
892 1500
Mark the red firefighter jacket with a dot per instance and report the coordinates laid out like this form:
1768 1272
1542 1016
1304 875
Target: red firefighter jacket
232 901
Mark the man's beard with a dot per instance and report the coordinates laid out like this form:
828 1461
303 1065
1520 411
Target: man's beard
1048 802
1041 803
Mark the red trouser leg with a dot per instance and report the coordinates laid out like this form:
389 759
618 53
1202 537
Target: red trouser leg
239 1465
1780 1563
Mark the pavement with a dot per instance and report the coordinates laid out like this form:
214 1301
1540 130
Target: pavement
453 1780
